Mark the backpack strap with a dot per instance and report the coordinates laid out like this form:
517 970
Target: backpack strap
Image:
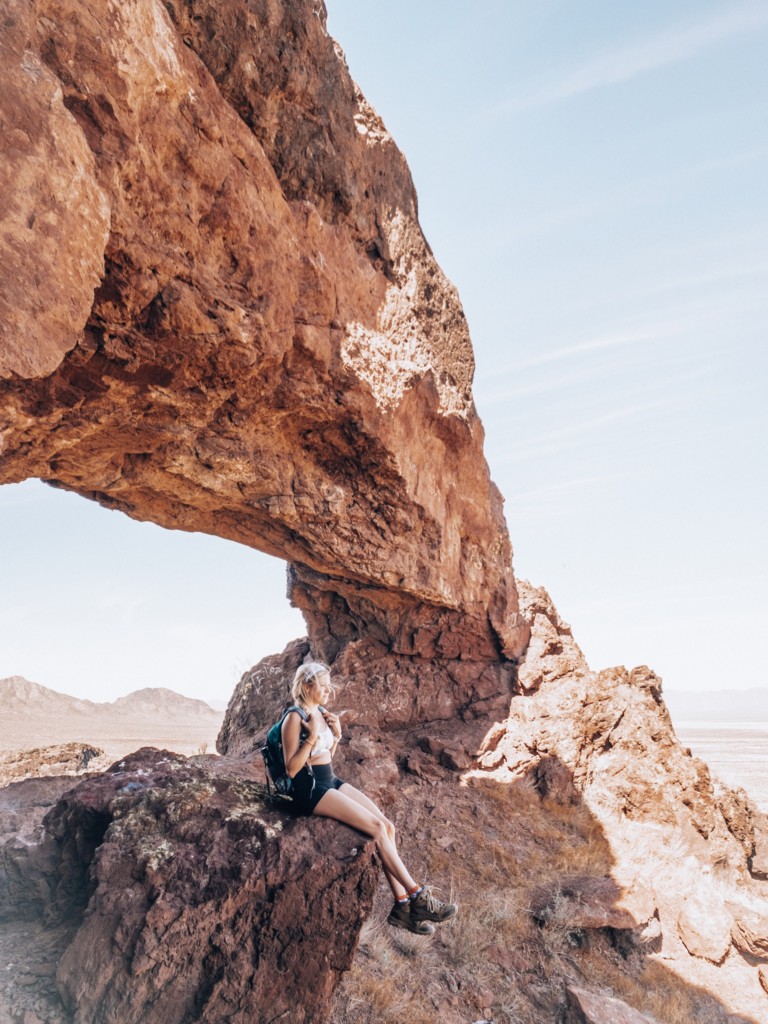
304 719
303 715
302 712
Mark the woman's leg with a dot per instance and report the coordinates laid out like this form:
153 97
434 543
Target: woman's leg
364 801
341 807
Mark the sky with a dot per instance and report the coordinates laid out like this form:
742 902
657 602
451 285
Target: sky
592 177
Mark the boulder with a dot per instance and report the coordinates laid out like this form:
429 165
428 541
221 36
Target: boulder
749 931
704 925
584 1007
56 760
585 901
758 862
187 898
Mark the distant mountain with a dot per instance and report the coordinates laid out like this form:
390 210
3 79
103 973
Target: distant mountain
161 701
18 696
21 698
718 705
34 717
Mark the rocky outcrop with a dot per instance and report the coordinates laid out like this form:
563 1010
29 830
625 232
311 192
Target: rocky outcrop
222 316
705 925
247 333
259 697
61 759
749 931
609 735
189 899
584 1007
589 902
377 688
683 843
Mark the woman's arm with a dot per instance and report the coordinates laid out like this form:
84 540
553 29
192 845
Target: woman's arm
295 752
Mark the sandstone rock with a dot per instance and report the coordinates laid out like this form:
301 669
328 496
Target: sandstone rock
762 974
61 759
758 862
705 927
582 902
259 698
455 758
552 651
584 1007
272 354
54 217
27 868
749 931
380 690
606 736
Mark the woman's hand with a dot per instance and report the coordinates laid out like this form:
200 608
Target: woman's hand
334 724
313 730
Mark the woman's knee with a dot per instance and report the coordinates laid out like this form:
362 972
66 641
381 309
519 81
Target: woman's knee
379 832
390 829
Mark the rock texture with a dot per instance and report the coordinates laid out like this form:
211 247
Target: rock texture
749 931
586 902
686 846
61 759
584 1007
221 315
187 899
705 927
54 216
270 353
609 735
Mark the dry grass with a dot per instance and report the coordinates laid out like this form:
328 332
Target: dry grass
493 961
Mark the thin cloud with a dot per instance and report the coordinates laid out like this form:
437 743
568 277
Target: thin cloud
559 440
661 365
616 339
694 315
646 192
520 497
621 65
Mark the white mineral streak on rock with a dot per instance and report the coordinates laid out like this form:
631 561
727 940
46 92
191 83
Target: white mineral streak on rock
146 40
394 358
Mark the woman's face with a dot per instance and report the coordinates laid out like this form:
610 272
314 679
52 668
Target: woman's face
319 689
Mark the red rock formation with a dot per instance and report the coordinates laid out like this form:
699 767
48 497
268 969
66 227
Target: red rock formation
223 317
271 353
187 899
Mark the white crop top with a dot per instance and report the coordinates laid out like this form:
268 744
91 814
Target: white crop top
324 742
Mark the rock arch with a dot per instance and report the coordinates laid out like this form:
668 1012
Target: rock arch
219 313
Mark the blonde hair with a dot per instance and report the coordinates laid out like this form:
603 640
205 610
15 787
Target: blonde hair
304 676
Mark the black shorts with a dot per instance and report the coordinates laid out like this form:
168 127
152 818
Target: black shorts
305 796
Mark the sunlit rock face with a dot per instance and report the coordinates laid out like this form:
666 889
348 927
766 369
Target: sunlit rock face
223 315
173 893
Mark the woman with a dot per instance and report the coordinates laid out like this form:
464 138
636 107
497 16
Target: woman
313 743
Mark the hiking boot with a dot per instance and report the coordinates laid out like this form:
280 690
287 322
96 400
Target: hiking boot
426 907
400 917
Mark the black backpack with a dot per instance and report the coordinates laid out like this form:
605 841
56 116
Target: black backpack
274 761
